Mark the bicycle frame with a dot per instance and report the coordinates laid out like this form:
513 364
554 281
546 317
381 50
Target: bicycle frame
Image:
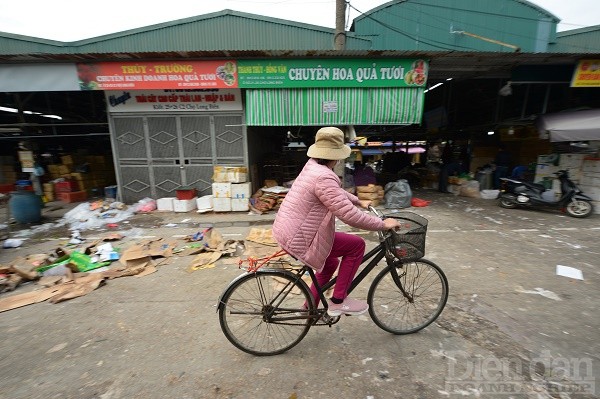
376 253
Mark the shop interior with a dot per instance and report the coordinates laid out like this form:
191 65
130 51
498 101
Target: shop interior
473 117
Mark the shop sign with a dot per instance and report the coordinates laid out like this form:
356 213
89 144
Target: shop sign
175 100
330 106
313 73
157 75
587 74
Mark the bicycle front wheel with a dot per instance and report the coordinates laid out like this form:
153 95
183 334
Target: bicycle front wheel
262 313
406 298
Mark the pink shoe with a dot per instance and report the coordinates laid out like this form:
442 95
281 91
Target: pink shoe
350 307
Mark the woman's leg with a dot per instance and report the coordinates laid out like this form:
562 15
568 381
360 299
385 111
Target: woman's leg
352 249
323 277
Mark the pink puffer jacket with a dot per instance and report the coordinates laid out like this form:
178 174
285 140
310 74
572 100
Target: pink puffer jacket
305 223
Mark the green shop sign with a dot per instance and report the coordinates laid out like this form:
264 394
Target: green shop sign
307 73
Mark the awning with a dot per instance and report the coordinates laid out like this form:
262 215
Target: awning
339 106
581 125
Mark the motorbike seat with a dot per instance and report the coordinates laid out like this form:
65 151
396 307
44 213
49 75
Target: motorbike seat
535 186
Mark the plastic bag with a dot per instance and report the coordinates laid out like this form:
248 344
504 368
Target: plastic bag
145 205
398 194
470 189
418 202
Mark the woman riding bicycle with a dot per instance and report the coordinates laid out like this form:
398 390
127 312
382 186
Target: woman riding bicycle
305 223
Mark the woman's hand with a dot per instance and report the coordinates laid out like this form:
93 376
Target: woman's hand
391 223
365 203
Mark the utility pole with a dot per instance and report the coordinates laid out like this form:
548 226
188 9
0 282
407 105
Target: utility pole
339 40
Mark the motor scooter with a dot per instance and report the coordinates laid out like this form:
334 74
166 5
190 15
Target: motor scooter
515 192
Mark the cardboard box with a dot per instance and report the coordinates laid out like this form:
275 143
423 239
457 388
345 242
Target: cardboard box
241 190
222 204
230 174
67 160
221 190
239 204
64 169
165 204
184 205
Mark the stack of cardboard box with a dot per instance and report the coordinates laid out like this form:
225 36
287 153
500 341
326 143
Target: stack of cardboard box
89 172
371 193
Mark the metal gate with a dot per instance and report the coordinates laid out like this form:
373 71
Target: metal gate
156 155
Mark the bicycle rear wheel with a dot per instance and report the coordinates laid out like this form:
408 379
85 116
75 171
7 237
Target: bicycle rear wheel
406 298
262 313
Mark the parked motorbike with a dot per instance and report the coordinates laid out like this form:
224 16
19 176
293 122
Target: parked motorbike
514 193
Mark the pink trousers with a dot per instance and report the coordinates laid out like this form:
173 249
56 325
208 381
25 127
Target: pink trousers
351 249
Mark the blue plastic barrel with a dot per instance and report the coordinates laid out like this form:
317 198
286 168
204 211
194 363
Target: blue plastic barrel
110 192
25 206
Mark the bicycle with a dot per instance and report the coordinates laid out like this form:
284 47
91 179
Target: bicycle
262 312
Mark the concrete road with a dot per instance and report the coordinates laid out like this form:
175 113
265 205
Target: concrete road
512 327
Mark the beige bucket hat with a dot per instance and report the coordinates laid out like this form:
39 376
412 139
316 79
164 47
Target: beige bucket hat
329 144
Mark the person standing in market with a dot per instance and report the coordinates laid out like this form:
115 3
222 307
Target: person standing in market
305 223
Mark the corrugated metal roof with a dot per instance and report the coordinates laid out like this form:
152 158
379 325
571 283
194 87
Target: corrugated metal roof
19 44
219 31
452 25
582 40
232 34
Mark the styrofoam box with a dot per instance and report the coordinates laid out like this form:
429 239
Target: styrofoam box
165 204
184 205
222 204
241 190
221 190
239 204
204 202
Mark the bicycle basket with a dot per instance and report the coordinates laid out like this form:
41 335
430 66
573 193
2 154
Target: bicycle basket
408 242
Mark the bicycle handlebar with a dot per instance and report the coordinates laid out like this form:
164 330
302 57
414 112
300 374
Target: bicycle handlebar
375 211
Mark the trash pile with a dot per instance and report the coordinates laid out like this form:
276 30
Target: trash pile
89 215
81 266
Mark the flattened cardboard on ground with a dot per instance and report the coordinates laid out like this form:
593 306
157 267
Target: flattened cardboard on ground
146 250
204 260
23 267
79 285
262 236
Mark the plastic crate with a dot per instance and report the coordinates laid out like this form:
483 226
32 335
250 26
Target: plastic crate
74 196
66 186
